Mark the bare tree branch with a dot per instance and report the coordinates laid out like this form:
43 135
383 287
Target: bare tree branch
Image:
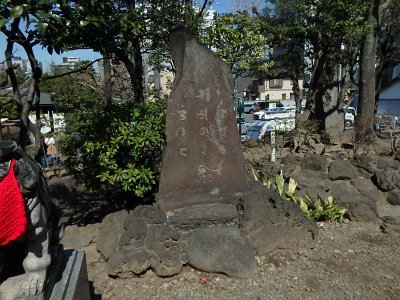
203 8
74 71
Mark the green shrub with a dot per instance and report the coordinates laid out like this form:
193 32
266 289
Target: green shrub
319 209
118 150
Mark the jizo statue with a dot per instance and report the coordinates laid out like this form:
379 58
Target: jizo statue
29 223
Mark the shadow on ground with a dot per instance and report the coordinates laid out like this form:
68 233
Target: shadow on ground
78 206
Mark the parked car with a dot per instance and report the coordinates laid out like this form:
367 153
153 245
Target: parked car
349 116
258 129
260 105
258 114
275 112
248 107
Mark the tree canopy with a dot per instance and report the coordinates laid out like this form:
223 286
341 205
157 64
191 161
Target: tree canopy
238 40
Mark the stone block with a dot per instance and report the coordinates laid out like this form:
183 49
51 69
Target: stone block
73 282
196 216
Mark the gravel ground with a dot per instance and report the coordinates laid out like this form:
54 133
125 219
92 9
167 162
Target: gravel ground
350 261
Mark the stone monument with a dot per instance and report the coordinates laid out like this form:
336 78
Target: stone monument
203 161
210 216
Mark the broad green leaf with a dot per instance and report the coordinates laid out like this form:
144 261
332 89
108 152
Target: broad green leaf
83 22
41 27
16 11
3 22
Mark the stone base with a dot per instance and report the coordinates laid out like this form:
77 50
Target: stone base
73 283
10 289
67 279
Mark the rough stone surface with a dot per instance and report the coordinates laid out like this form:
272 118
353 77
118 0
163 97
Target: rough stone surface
165 245
135 233
221 250
342 169
387 179
393 197
365 162
203 162
311 182
110 231
387 162
315 162
148 213
391 225
197 216
367 189
146 241
387 210
124 262
270 222
290 162
78 237
360 208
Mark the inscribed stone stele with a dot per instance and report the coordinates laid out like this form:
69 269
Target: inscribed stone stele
203 160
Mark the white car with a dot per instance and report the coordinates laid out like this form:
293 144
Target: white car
258 129
349 116
258 115
248 107
275 113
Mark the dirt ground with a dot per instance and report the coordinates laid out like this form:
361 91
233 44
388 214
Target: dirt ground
350 261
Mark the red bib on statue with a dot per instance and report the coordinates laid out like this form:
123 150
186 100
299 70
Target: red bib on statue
13 220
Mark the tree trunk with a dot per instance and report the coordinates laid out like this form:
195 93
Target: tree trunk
107 82
138 74
366 104
135 70
33 92
314 106
296 92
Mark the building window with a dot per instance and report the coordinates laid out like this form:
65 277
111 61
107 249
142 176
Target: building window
283 96
266 97
275 83
260 81
292 96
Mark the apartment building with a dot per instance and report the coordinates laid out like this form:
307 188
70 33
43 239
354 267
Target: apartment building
277 90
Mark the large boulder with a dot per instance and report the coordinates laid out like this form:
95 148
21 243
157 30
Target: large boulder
146 241
387 162
123 262
393 197
387 179
110 232
391 225
368 189
360 208
342 169
315 162
290 162
270 222
222 250
165 245
365 163
311 182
